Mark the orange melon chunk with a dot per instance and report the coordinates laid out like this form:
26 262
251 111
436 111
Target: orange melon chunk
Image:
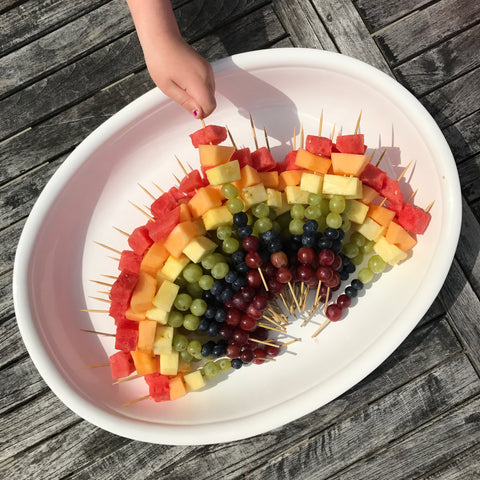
185 214
136 317
177 387
179 238
368 194
381 215
248 177
154 259
146 335
269 179
213 155
349 163
289 178
399 237
310 161
143 293
145 362
206 198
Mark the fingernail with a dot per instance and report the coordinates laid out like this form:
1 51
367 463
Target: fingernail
196 113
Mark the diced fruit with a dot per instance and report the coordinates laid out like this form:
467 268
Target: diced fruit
318 145
289 177
391 191
121 365
154 259
371 230
211 134
198 247
158 386
169 363
340 185
123 287
243 156
248 176
349 163
134 316
390 253
413 219
357 211
129 262
194 381
213 155
143 293
139 240
313 162
180 237
399 237
204 199
174 266
177 387
274 198
163 340
368 194
145 363
373 176
216 217
185 215
269 179
191 182
163 204
290 161
160 316
126 338
160 229
166 295
146 335
311 183
253 195
351 143
381 215
226 173
295 194
262 160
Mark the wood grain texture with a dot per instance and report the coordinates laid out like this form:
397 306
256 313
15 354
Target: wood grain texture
466 465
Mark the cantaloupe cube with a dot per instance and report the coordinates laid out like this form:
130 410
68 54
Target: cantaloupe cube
269 179
198 248
368 194
199 226
204 199
154 259
136 317
311 183
399 237
163 340
160 316
340 185
227 173
253 195
176 387
390 253
212 155
289 177
143 293
146 335
274 198
349 163
180 237
173 267
166 295
194 381
185 214
248 176
310 161
169 363
381 215
145 362
357 211
216 217
371 230
295 194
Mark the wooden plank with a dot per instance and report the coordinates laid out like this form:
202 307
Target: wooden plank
446 436
442 64
303 25
9 238
469 173
463 466
350 34
462 137
425 28
11 343
6 295
377 15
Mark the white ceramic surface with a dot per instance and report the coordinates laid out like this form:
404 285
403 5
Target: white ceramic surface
90 193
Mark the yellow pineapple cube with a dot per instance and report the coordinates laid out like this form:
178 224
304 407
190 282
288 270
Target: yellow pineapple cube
285 207
216 217
349 187
227 173
194 381
163 340
311 183
388 251
160 316
370 229
295 194
198 248
253 194
357 211
173 267
166 295
169 363
274 198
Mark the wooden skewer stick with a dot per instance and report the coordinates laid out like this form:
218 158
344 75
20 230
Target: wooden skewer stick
358 123
231 139
294 296
181 165
313 309
97 366
266 359
126 379
108 248
398 179
114 258
429 207
372 155
105 284
140 210
411 196
122 232
301 136
320 124
190 167
100 299
269 343
203 123
95 311
263 279
137 399
146 191
317 293
290 342
294 139
322 326
98 333
160 190
326 300
253 131
176 178
333 132
266 138
113 277
267 327
381 157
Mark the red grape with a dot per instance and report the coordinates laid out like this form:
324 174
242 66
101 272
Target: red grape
326 257
251 243
279 259
253 278
306 255
247 323
334 312
284 275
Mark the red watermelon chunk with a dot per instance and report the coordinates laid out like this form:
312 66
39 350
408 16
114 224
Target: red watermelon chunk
391 191
243 156
122 288
165 202
159 386
281 166
126 339
351 143
191 182
130 261
262 160
318 145
160 228
413 219
121 365
290 161
139 240
211 134
373 177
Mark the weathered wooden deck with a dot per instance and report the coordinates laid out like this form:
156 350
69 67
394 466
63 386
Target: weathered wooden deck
67 66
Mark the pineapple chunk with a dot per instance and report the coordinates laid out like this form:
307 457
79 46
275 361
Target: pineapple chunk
274 198
169 363
370 229
163 340
166 295
198 248
194 381
357 211
389 252
311 183
295 194
253 195
173 267
285 207
216 217
227 173
349 187
160 316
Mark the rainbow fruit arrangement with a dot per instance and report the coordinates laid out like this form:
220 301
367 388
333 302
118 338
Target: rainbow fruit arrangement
229 255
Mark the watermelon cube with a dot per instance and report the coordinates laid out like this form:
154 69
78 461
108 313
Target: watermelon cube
373 177
243 156
191 182
122 288
290 161
282 166
413 219
351 143
262 160
166 202
391 191
126 338
130 262
121 365
160 228
318 145
159 386
139 240
211 134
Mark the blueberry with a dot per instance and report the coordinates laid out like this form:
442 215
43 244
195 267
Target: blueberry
220 315
240 219
203 325
308 239
207 348
236 363
324 243
269 235
344 275
218 351
231 276
336 246
357 284
351 292
245 231
350 268
310 226
226 294
341 234
238 256
238 283
331 233
242 268
213 329
208 296
274 245
217 288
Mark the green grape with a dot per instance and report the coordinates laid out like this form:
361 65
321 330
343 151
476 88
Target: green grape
350 250
250 219
313 212
365 275
334 220
358 260
185 356
208 261
175 319
297 211
261 210
198 306
315 199
296 227
322 224
220 257
263 224
230 245
191 322
337 204
229 190
219 270
194 290
348 203
376 264
182 302
179 342
368 247
206 282
181 282
225 364
195 349
325 206
346 224
224 231
192 272
358 239
235 205
211 370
